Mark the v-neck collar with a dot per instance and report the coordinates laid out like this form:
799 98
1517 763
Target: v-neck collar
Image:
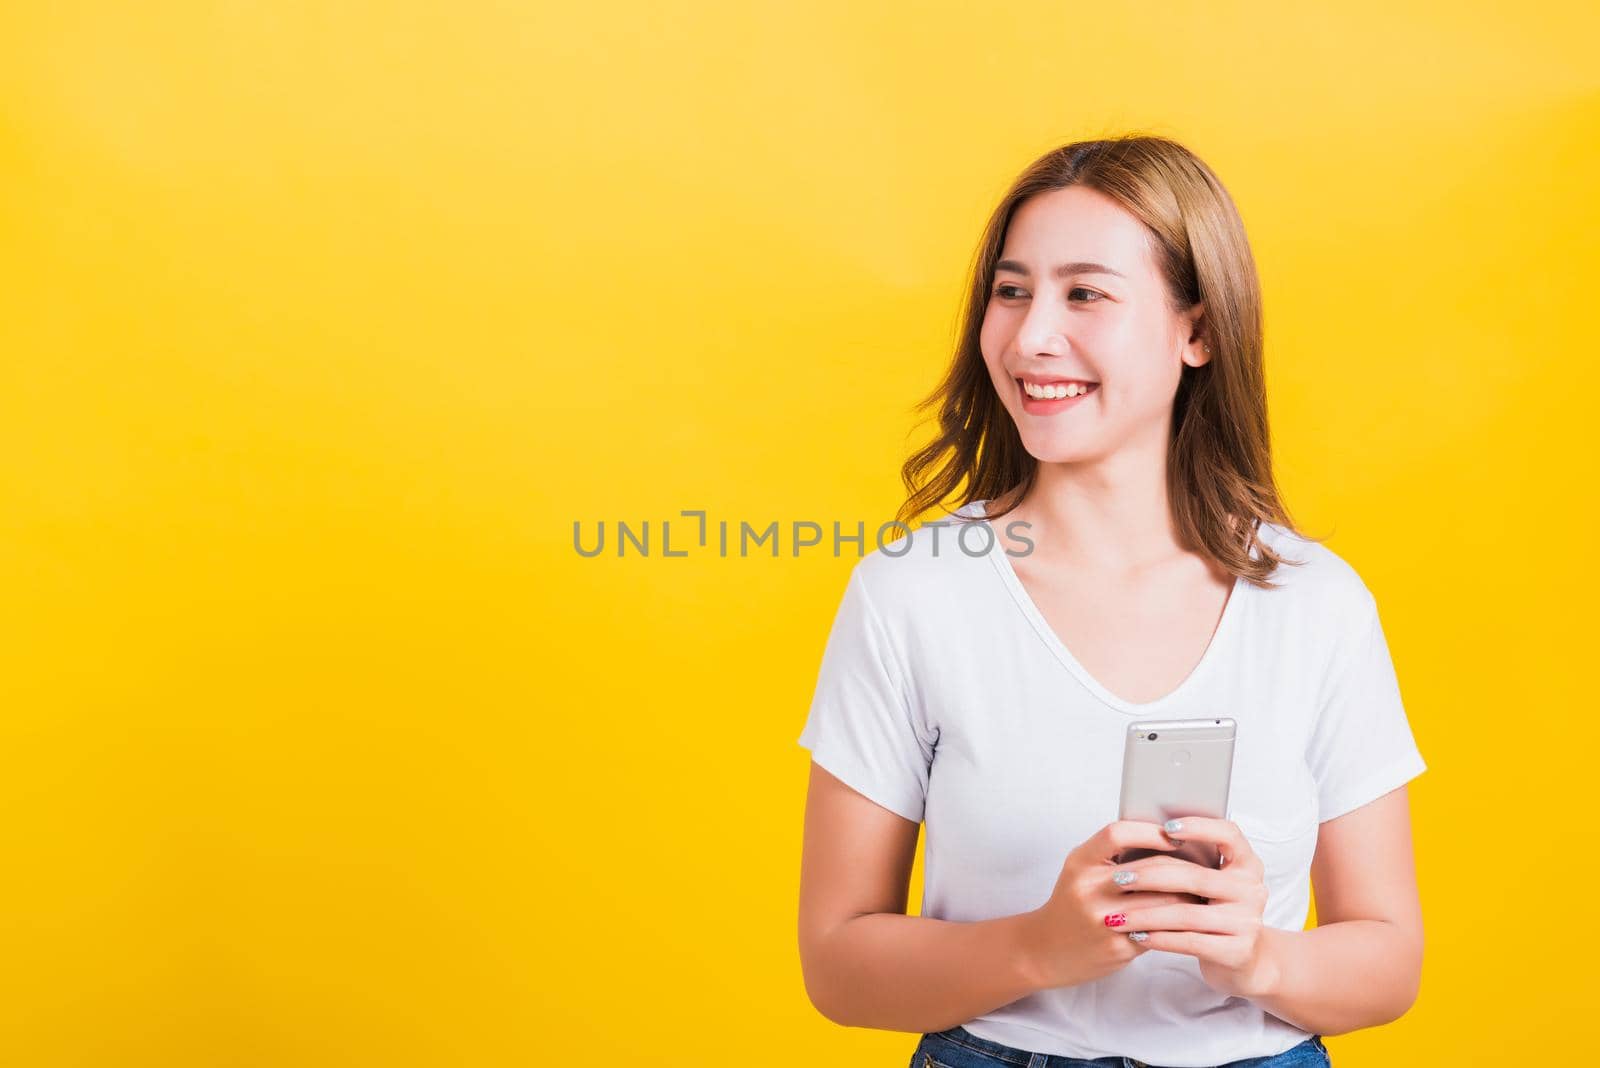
1221 637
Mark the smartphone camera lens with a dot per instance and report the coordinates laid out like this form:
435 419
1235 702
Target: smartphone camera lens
1152 736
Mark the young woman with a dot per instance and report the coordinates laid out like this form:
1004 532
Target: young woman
1108 393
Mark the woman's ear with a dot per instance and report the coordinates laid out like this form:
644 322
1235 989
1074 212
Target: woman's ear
1197 352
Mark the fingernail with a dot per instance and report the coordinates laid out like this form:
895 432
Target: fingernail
1123 878
1173 825
1139 936
1116 919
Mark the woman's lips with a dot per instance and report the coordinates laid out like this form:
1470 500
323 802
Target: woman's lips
1038 406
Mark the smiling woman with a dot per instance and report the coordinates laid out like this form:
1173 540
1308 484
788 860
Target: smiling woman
1108 392
1170 301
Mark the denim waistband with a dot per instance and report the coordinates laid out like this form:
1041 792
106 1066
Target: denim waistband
1011 1055
1027 1059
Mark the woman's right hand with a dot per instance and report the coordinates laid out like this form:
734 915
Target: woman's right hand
1069 941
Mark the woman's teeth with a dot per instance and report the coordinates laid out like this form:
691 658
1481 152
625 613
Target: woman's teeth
1071 389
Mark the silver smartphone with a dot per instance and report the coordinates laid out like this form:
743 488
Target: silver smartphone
1174 768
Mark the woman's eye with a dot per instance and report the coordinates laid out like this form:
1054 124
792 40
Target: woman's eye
1010 292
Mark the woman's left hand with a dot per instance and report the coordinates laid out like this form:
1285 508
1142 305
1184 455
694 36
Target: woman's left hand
1225 934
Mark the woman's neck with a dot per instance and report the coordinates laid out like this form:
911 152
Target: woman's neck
1111 516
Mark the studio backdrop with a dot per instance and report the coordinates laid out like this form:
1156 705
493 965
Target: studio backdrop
334 335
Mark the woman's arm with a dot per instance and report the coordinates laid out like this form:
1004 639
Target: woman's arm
1361 966
912 973
866 963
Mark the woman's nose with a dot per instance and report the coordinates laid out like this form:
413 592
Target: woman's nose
1042 332
1041 339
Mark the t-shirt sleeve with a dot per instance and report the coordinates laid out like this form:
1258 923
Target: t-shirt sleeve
863 726
1362 746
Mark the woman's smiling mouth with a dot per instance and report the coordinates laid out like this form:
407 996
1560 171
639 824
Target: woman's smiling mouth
1046 398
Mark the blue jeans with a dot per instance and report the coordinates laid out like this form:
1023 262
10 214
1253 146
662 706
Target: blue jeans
959 1048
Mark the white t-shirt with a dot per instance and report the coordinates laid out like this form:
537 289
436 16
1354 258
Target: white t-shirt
945 697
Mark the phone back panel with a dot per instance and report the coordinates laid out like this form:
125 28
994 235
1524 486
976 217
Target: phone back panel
1177 768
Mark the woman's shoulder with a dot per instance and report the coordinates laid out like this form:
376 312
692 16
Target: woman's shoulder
930 566
1311 574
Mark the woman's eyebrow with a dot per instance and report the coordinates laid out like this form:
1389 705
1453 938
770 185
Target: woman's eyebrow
1061 270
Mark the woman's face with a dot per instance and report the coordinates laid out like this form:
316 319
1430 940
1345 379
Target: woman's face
1102 324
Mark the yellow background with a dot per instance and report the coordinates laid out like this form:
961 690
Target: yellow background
323 323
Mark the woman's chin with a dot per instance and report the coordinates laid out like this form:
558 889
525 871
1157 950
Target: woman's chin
1055 450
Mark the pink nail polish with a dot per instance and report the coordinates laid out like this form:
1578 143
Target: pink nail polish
1116 919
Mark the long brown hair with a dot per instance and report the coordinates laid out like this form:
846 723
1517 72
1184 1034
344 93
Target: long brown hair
1219 470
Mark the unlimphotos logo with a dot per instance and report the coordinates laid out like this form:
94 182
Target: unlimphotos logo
894 538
